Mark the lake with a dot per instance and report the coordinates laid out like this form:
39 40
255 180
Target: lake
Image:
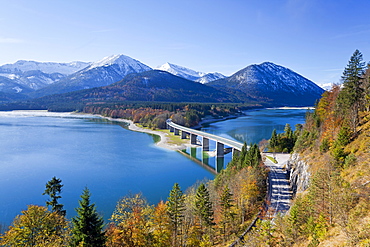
110 160
83 151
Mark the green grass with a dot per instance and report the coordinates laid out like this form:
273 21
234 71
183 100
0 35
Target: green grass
272 159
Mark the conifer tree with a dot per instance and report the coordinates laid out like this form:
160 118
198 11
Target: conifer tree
366 88
203 206
227 214
175 209
273 141
87 225
53 189
350 98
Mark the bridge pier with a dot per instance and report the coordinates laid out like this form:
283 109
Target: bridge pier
183 134
193 138
219 149
172 129
205 144
177 132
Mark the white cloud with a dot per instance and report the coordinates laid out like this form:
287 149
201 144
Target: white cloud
10 41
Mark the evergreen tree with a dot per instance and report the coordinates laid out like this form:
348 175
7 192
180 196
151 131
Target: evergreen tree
350 98
366 88
227 214
175 209
274 142
87 225
203 206
53 189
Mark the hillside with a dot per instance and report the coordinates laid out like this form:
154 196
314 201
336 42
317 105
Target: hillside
334 148
151 85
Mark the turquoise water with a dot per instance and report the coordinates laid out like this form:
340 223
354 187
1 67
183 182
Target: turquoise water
83 151
255 126
107 158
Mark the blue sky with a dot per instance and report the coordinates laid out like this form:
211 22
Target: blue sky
312 37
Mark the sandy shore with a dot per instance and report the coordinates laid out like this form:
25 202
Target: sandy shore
163 143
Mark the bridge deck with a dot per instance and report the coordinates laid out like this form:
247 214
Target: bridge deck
231 143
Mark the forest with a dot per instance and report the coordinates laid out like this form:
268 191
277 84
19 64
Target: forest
154 114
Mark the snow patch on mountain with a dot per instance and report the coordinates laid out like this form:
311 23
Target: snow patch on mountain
45 67
123 62
190 74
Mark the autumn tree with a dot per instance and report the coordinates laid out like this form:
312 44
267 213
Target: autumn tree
161 225
132 218
87 225
37 226
175 209
53 189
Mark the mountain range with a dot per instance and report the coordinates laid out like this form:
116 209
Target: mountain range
120 77
25 76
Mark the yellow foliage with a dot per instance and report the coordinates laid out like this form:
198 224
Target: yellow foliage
37 226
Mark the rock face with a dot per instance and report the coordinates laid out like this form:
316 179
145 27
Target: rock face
299 174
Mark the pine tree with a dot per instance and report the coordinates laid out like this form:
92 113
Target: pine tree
350 98
87 225
175 209
227 214
274 141
53 189
366 88
203 206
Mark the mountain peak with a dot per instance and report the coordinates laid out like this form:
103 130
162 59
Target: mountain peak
274 83
118 59
189 73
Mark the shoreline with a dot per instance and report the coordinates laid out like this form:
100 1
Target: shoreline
164 139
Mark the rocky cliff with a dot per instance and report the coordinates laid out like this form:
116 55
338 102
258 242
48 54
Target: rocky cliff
299 175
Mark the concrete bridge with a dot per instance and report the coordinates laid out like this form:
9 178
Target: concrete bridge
221 142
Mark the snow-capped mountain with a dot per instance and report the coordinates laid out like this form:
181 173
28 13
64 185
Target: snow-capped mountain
210 77
34 75
190 74
272 83
45 67
101 73
121 64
